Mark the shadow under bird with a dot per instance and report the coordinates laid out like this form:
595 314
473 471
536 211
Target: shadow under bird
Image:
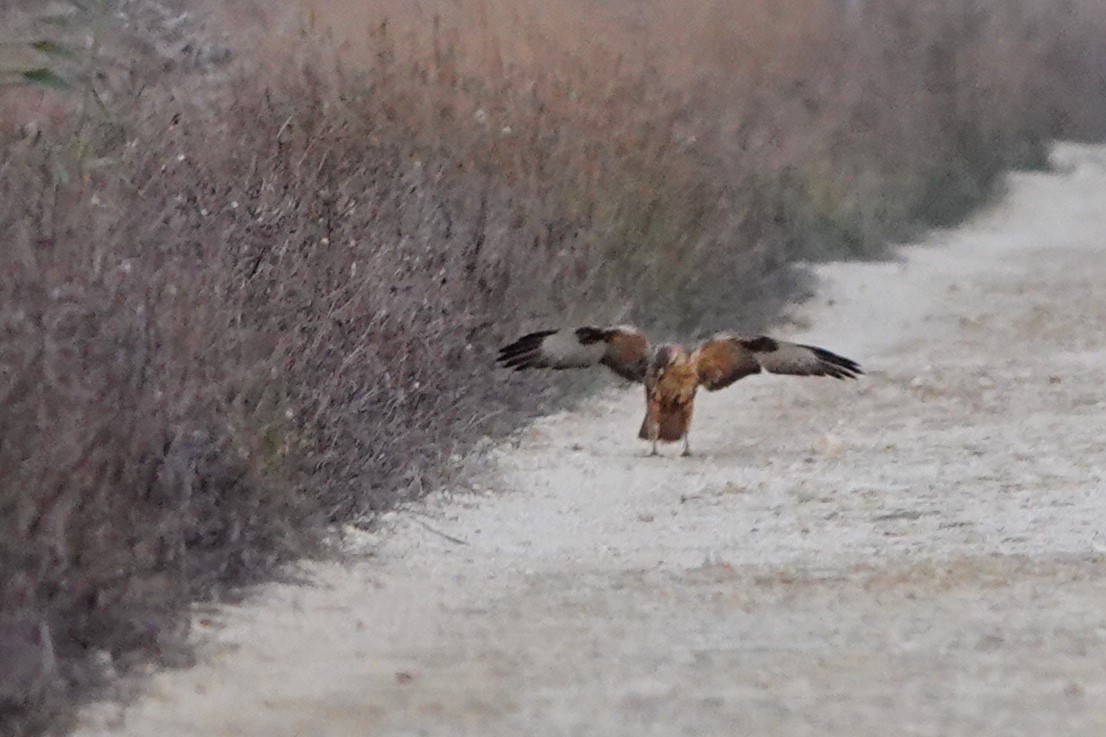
670 372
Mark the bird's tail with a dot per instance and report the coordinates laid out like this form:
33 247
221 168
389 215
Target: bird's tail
672 425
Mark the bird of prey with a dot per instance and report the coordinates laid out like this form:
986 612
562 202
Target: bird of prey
670 372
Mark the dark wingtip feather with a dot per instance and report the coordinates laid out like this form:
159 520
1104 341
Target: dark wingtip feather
522 353
527 342
517 358
837 366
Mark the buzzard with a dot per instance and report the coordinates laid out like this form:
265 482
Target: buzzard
670 372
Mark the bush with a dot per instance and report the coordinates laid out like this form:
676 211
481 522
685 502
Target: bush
233 311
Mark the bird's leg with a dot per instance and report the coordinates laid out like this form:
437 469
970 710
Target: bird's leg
687 445
655 430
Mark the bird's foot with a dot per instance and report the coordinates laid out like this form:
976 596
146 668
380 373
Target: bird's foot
686 453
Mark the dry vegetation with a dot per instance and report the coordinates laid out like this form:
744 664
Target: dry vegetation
236 306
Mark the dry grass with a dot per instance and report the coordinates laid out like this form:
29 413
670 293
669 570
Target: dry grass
232 311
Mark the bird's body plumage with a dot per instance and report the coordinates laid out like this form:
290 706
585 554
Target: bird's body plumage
672 375
670 385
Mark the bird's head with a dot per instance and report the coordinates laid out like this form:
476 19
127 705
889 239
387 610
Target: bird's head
668 354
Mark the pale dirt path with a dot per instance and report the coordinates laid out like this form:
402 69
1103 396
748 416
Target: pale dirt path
919 553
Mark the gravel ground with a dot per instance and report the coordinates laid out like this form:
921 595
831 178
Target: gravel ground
917 553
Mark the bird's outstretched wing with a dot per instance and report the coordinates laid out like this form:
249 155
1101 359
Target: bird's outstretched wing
724 359
621 348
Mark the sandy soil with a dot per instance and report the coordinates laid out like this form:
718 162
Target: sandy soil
919 553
